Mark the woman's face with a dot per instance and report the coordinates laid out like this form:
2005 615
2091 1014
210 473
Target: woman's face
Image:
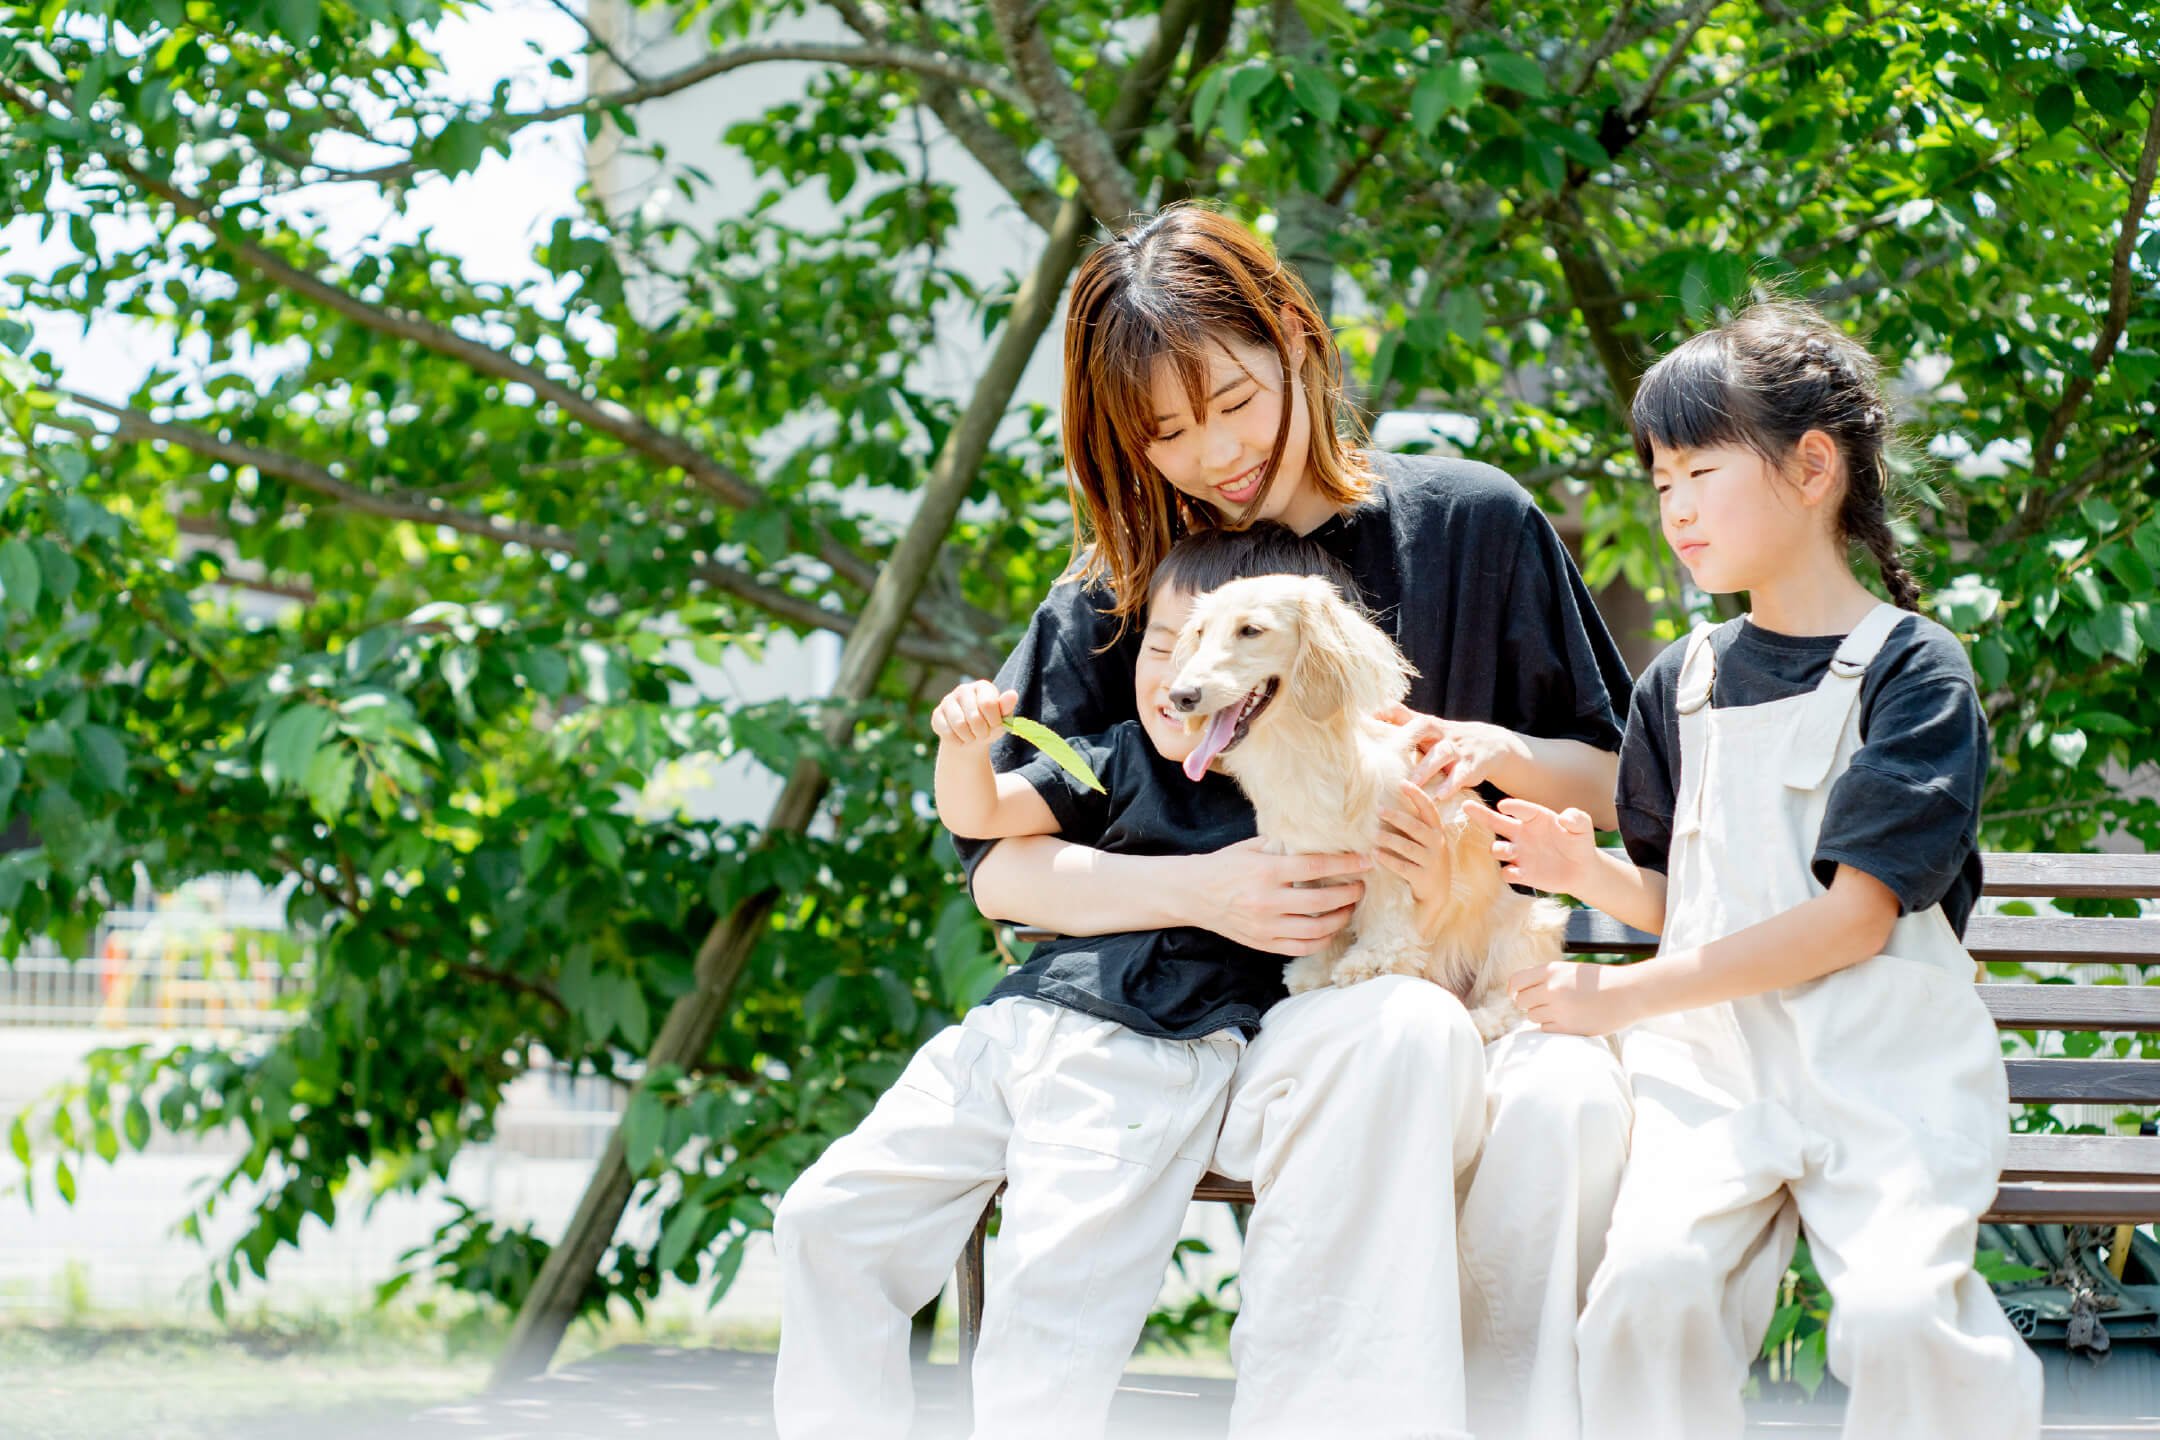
1220 460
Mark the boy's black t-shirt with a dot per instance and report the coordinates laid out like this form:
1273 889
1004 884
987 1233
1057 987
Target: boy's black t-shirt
1453 558
1179 984
1907 811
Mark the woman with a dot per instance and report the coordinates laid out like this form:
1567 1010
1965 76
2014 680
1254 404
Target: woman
1202 390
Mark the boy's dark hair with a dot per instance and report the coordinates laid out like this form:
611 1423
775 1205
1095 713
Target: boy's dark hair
1761 381
1209 559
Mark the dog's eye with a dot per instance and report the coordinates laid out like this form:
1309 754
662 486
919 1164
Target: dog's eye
1247 632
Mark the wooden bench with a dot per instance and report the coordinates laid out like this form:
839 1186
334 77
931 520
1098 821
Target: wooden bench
2048 1179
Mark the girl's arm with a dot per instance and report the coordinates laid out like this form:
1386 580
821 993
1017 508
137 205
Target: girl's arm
973 799
1557 774
1848 923
1559 852
1283 904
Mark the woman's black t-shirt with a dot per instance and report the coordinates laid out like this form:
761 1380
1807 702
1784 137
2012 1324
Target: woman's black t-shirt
1455 560
1906 811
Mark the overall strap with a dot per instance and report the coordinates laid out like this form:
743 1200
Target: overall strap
1822 720
1692 702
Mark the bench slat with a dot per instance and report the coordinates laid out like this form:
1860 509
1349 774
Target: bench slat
2116 1158
2083 1081
2073 1007
2027 1203
2112 877
2064 939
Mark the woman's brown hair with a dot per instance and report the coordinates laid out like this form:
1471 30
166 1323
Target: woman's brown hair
1170 289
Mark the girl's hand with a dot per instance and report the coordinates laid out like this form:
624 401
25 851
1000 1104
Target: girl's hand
1283 904
974 713
1538 848
1412 845
1572 997
1463 754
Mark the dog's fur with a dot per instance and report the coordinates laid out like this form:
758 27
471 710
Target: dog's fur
1318 766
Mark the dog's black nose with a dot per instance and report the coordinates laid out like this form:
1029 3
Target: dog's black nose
1185 697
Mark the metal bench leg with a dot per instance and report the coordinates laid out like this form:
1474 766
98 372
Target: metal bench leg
971 1310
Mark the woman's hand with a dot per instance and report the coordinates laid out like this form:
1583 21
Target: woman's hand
1574 997
1414 847
1537 847
1283 904
1461 754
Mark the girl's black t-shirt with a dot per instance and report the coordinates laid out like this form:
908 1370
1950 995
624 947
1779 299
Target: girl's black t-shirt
1456 561
1906 811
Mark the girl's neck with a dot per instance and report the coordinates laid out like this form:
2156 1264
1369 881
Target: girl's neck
1816 595
1307 509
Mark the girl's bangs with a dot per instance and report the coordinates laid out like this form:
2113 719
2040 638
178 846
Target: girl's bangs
1691 399
1131 345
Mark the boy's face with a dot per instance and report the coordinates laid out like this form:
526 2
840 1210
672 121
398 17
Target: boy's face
1152 676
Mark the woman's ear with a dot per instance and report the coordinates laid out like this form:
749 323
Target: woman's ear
1818 466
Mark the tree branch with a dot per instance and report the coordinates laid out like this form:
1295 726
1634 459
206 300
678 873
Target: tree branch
950 68
1693 22
135 425
1083 142
1873 280
994 150
2118 311
599 41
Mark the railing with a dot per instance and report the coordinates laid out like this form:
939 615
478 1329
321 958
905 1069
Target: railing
162 970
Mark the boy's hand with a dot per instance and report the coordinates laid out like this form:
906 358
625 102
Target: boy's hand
1536 847
974 713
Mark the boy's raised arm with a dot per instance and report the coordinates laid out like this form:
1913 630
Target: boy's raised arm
973 799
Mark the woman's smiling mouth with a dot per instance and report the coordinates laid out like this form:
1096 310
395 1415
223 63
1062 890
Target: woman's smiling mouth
1240 488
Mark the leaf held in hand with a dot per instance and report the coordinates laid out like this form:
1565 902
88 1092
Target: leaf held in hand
1043 738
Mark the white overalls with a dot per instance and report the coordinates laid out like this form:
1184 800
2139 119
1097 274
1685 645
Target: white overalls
1869 1105
1100 1134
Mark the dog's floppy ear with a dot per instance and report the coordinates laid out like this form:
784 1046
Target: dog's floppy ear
1344 661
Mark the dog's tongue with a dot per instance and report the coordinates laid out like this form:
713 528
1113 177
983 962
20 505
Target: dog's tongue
1219 731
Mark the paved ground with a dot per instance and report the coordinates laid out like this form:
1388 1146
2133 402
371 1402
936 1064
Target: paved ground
652 1393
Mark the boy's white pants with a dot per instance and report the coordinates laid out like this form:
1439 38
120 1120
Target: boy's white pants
1099 1134
1359 1114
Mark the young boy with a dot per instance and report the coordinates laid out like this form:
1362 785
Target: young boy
1090 1081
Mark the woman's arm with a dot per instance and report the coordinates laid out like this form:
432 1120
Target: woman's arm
1846 924
1284 904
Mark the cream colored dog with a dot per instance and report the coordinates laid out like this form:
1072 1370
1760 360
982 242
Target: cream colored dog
1288 678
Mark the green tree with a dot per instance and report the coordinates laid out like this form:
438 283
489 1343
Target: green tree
502 509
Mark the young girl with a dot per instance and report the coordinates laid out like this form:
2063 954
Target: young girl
1203 391
1799 790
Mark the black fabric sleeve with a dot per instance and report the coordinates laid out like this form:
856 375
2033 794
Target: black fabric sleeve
1082 814
1062 681
1567 672
1650 763
1907 811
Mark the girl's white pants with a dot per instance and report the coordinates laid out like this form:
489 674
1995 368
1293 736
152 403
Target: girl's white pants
1392 1233
1099 1134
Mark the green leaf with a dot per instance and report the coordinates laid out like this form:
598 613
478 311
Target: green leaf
11 772
682 1229
642 1125
1323 15
64 1181
329 779
104 757
1998 1269
2054 107
1516 72
1208 96
1315 92
602 840
289 749
59 570
298 20
2101 90
19 1140
725 1265
1450 85
1043 738
137 1122
19 576
2067 746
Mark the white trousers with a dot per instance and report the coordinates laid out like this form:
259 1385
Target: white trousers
1358 1115
1884 1138
1099 1134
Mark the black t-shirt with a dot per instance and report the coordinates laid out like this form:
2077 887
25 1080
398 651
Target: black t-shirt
1907 811
1454 559
1181 983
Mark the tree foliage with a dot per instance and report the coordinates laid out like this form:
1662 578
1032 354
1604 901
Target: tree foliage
508 517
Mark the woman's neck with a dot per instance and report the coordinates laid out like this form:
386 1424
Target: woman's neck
1307 509
1816 595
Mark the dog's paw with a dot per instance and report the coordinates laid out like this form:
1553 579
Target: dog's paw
1497 1017
1306 972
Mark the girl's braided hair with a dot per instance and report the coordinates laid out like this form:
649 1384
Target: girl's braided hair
1761 381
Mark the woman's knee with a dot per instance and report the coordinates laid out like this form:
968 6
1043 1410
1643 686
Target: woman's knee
1567 1090
1659 1290
1885 1316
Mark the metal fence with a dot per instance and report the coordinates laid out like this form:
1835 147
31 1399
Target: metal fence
160 970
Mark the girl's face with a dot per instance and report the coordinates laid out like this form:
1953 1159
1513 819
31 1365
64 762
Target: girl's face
1220 460
1733 520
1152 676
